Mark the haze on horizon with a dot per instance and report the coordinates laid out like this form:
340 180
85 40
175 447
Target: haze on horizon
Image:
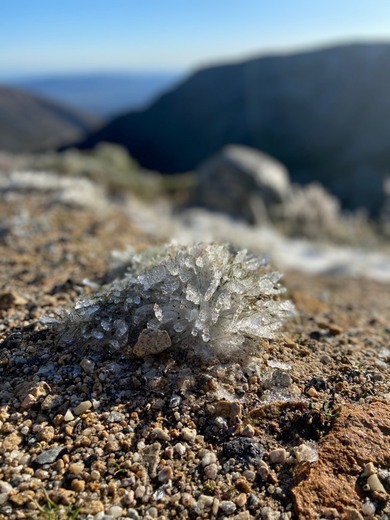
47 38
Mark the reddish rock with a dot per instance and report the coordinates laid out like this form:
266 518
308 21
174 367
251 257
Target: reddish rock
357 437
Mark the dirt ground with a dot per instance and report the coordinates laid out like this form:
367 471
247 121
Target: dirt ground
303 432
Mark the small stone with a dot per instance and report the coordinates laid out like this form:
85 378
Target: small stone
353 514
312 392
280 379
228 409
243 485
248 431
188 501
62 496
5 487
77 485
325 359
228 507
12 441
240 500
28 401
152 342
68 416
92 507
375 484
165 474
42 474
211 471
189 434
180 449
76 468
152 457
335 330
369 469
115 511
83 407
22 498
208 458
161 434
278 456
49 456
249 475
87 365
368 508
204 502
46 434
95 475
243 449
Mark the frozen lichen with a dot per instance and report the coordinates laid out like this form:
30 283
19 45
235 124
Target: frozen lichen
203 300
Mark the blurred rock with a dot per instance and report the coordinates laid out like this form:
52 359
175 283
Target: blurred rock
242 182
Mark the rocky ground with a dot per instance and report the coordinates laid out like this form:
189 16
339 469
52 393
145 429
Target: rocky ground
300 431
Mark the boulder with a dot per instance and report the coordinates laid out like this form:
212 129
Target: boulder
242 182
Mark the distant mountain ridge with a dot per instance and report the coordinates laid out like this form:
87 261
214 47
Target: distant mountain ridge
103 94
325 114
29 123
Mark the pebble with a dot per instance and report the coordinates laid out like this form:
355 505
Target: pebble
83 407
281 379
28 401
76 468
368 508
248 431
228 409
278 456
240 500
77 485
115 511
211 471
325 359
208 458
369 469
87 365
249 475
161 434
180 449
228 507
188 500
152 342
49 456
375 484
189 434
312 392
68 416
204 502
165 474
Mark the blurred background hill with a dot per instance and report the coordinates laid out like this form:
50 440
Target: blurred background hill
235 111
30 123
104 94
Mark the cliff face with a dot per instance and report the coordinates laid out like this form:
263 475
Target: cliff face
324 114
29 123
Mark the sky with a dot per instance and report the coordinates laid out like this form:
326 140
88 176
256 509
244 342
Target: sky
52 36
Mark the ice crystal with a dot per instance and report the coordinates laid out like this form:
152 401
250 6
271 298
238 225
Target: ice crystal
208 300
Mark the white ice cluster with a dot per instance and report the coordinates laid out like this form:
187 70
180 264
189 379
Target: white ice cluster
208 300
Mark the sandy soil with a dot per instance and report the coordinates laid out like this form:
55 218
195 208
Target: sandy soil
302 432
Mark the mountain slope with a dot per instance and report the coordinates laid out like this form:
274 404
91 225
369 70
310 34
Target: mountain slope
102 94
325 114
29 123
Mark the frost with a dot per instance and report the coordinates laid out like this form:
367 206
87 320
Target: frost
210 301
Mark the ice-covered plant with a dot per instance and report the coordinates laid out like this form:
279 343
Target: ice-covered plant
203 300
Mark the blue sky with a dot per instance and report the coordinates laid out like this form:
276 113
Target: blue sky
48 36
